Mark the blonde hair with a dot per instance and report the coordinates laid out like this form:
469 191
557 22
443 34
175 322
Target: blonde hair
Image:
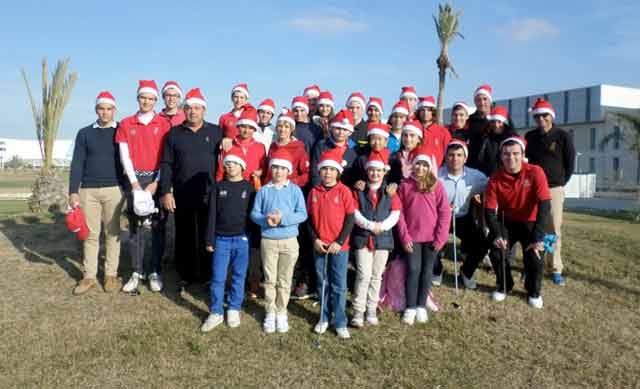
427 183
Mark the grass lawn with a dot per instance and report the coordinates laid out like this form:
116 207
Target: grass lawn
12 207
587 335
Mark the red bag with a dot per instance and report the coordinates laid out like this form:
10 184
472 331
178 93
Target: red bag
392 290
77 223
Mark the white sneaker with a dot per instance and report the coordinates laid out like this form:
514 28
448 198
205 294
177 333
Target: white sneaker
233 318
498 296
432 303
213 320
372 317
421 315
469 283
409 316
436 280
358 320
155 282
132 284
535 302
343 333
282 323
321 327
269 324
486 261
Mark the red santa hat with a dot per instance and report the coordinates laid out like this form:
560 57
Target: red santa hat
77 223
414 127
332 158
378 160
484 90
287 116
300 102
195 97
408 91
267 105
235 155
312 91
541 107
401 107
248 117
326 98
375 102
343 119
426 102
517 139
105 97
147 86
459 143
281 157
424 153
356 97
498 113
171 85
381 129
242 88
462 105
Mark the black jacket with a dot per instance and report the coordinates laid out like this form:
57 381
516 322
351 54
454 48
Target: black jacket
554 152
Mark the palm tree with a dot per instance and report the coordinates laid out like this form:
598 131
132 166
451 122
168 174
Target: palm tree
447 24
48 191
630 135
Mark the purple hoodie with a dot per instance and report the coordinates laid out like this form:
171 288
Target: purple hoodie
425 217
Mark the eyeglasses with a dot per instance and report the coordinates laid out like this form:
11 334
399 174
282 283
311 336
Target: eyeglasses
541 115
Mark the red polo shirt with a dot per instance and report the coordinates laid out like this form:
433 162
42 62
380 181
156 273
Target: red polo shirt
518 195
174 120
254 156
327 210
227 122
144 141
437 137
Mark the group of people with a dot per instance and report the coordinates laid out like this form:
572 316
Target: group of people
286 199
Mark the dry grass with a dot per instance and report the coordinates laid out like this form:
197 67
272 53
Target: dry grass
586 336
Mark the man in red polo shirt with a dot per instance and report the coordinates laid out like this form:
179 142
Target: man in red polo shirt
140 138
517 206
433 135
227 121
171 94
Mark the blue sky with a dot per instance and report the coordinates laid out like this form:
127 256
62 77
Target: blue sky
278 48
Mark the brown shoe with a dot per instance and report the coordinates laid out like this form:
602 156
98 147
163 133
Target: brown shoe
111 284
84 285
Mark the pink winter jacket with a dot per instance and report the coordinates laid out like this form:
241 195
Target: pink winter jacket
425 217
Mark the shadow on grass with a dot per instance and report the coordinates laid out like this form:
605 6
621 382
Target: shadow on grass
609 284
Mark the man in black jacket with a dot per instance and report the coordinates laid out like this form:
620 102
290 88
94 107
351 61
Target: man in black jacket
186 175
552 149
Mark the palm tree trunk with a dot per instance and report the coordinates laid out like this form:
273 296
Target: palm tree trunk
442 73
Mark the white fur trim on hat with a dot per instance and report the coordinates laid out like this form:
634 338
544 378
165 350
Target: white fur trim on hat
356 99
343 124
483 91
147 89
514 139
409 94
400 110
376 165
497 117
542 111
456 143
105 100
423 158
241 90
267 108
330 163
195 100
281 162
326 102
377 105
412 129
300 105
172 86
378 131
426 104
288 120
235 159
247 122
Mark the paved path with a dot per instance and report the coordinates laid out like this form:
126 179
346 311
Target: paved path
600 203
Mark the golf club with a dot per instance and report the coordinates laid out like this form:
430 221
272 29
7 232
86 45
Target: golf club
456 304
324 283
504 262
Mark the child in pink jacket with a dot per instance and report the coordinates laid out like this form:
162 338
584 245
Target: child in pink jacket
423 229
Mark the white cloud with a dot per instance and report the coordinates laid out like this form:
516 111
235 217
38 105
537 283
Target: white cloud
530 29
327 24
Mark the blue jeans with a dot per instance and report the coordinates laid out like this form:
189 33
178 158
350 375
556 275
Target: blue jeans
335 291
230 251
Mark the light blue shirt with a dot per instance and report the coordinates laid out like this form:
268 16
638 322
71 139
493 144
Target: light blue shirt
393 144
288 199
460 189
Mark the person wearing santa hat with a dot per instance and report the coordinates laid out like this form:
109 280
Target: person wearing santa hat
552 149
307 133
228 236
464 187
399 116
434 135
376 214
378 134
324 112
188 161
331 208
374 110
400 162
423 229
171 94
227 121
517 207
341 129
409 95
95 183
278 210
488 157
264 134
284 140
140 139
459 121
356 104
312 93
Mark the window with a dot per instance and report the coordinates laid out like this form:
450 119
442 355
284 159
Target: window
593 138
616 138
617 173
592 165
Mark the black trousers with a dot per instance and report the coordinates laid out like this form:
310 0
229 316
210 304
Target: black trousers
305 267
533 265
420 270
193 262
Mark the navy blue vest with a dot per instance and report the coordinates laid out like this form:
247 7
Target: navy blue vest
360 236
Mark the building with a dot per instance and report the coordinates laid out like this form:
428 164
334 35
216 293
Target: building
587 114
28 151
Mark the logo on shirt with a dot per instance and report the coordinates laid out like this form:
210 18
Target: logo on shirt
526 183
306 164
336 200
133 132
244 194
155 131
223 193
206 139
314 198
552 147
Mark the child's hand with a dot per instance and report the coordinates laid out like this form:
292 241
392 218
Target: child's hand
271 220
408 247
210 248
392 189
360 185
226 144
334 248
377 229
276 217
320 246
257 173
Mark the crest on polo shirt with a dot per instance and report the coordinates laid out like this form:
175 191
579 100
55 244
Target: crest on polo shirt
133 131
552 147
336 199
244 194
314 198
526 183
223 193
206 139
155 131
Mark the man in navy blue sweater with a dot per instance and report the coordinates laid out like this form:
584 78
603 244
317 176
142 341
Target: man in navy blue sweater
95 185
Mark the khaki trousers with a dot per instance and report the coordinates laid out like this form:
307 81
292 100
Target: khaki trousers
278 260
102 206
554 261
370 266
